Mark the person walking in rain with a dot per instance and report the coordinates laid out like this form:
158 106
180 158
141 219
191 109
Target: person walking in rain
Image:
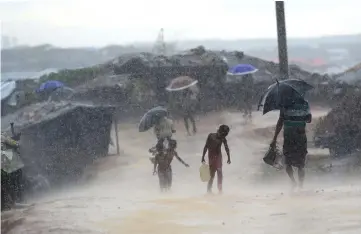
189 101
164 129
247 88
162 162
12 179
293 119
213 146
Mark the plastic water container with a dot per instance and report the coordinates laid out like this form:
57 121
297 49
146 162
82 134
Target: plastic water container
204 173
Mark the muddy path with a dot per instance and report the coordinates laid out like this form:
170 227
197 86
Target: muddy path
123 196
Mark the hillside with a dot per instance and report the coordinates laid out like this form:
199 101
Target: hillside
38 58
25 59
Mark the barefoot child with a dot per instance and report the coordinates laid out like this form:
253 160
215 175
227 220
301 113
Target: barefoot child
163 160
213 146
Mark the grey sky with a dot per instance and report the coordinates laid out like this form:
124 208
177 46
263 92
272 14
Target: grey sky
100 22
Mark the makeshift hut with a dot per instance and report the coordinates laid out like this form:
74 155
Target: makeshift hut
209 68
106 89
11 97
117 90
58 140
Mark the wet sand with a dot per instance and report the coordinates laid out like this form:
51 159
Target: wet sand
123 195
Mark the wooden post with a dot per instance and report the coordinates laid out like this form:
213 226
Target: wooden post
282 40
116 135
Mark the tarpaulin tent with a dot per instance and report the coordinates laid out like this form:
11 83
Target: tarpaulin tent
58 140
7 88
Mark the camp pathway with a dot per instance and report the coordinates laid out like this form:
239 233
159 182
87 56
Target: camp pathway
124 195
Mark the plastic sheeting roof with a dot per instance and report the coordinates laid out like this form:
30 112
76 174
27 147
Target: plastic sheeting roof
40 112
26 75
7 88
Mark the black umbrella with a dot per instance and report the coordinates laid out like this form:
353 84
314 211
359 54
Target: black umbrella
151 118
283 94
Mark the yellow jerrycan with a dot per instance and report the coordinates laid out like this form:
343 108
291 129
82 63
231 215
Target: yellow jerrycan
204 173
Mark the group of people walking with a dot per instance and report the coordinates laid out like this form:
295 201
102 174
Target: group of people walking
293 119
164 156
165 149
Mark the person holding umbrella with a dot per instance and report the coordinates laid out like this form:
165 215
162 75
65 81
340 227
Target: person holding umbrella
187 89
295 140
244 74
157 117
188 107
48 87
248 87
288 97
164 129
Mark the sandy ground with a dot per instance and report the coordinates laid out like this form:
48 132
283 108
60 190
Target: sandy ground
124 197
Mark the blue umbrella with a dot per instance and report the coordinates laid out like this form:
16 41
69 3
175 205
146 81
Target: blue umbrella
50 85
242 69
283 94
151 118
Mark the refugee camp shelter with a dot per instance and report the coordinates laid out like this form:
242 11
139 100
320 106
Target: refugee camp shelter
9 96
105 89
59 139
209 68
14 94
351 76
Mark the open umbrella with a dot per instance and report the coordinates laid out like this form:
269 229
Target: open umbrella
241 69
62 93
151 118
283 94
181 83
50 85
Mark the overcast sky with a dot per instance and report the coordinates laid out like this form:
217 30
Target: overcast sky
101 22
